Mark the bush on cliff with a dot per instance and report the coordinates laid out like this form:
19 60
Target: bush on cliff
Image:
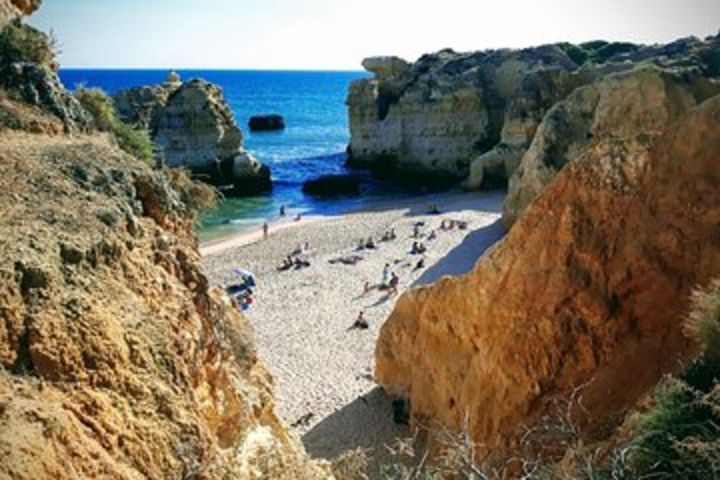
679 437
198 197
23 43
134 141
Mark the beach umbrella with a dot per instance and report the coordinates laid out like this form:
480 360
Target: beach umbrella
246 275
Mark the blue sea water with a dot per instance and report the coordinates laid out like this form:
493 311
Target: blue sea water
313 144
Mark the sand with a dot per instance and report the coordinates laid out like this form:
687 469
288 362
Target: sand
323 371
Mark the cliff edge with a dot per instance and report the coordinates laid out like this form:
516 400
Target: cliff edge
590 285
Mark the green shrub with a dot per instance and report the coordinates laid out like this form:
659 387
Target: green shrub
703 323
100 106
23 43
576 54
198 197
680 435
136 142
604 53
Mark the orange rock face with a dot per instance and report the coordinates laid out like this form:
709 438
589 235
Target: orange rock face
591 283
116 358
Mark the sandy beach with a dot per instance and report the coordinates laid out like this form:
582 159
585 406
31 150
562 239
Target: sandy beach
322 369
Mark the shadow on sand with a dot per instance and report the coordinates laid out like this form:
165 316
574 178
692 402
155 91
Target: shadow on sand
365 422
462 258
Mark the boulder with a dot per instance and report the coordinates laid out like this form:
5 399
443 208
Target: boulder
589 287
250 177
266 123
333 186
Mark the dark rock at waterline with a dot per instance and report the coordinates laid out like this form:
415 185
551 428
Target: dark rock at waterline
333 186
266 123
253 184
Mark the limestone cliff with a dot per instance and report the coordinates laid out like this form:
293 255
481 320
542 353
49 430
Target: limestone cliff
117 359
11 10
431 118
192 126
590 284
635 105
470 117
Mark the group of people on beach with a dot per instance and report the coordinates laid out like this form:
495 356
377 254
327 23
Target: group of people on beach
296 259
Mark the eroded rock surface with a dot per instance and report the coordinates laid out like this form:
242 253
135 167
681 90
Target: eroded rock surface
118 360
631 106
470 117
590 284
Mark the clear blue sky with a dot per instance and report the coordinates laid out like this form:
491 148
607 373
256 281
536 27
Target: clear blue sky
338 34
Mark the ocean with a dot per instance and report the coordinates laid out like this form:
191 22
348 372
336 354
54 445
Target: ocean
313 143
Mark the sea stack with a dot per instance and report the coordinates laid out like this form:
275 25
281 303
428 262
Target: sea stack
266 123
193 127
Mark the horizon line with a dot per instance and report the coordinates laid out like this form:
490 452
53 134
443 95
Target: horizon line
217 69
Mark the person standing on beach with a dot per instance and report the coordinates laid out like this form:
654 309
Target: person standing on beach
266 230
386 275
282 210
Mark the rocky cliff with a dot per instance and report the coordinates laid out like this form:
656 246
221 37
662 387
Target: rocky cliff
192 126
11 10
630 106
590 285
452 117
117 358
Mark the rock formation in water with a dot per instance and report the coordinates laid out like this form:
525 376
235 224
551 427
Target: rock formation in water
266 123
117 358
590 285
470 117
192 126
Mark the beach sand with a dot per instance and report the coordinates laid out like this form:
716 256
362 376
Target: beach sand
323 371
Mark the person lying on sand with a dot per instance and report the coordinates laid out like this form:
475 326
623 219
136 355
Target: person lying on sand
349 260
301 263
418 248
420 264
432 235
287 264
462 225
360 322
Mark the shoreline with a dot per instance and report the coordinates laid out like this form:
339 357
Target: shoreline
323 369
254 234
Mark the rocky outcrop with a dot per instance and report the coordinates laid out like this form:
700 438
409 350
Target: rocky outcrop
266 123
28 74
192 127
118 360
635 105
40 87
470 117
11 10
590 285
333 186
428 120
